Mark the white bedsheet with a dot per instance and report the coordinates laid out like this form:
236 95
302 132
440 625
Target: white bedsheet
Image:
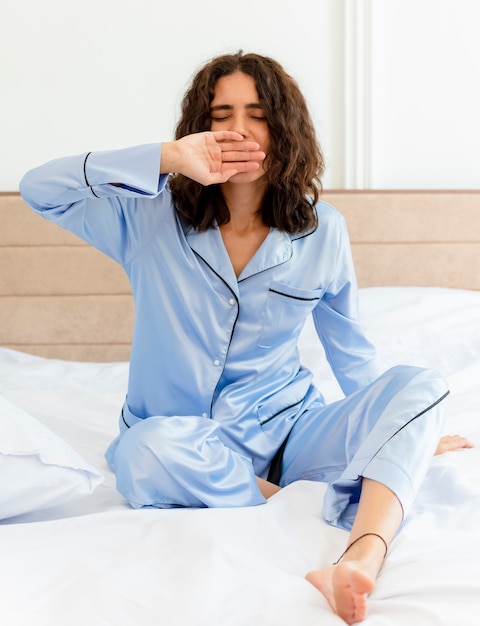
96 561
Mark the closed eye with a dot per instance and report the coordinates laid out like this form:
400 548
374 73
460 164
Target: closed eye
217 118
222 112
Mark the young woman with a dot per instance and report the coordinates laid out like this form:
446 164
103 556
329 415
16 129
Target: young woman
228 249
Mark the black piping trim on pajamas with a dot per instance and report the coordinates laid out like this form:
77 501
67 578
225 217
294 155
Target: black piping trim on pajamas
279 412
85 175
234 323
312 230
240 280
307 234
280 293
414 418
124 420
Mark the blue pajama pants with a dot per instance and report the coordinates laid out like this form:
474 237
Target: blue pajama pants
387 431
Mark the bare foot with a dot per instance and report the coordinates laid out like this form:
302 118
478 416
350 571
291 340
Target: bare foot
346 588
450 443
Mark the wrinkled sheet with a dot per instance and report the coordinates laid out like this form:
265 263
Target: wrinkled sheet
98 562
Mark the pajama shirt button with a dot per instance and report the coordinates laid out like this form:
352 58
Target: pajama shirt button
231 301
216 362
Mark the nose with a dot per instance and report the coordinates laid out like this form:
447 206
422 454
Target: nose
239 124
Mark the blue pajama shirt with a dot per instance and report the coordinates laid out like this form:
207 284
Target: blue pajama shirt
216 385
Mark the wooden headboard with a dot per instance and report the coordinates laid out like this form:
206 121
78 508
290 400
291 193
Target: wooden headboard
60 298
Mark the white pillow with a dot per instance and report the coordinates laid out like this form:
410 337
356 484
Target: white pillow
37 468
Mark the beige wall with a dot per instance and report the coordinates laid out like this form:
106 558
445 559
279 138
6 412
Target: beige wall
62 299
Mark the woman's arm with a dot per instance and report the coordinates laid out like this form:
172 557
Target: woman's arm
108 198
349 352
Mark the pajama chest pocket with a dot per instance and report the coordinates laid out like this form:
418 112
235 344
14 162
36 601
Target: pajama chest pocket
285 313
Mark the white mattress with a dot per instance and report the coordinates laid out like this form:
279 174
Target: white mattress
96 561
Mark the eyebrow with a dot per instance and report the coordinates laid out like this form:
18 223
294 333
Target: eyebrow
229 107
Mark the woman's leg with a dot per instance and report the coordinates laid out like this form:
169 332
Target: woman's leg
387 431
347 583
384 436
180 461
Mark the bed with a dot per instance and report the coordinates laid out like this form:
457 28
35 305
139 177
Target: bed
74 552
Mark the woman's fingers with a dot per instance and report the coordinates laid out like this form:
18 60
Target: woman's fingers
235 148
450 443
227 171
242 155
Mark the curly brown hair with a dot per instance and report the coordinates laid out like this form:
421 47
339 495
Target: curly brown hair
294 163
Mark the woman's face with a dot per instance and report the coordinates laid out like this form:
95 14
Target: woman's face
236 107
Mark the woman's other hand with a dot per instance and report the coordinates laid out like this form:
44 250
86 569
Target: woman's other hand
451 443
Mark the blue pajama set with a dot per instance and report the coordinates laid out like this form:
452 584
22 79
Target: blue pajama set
216 388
